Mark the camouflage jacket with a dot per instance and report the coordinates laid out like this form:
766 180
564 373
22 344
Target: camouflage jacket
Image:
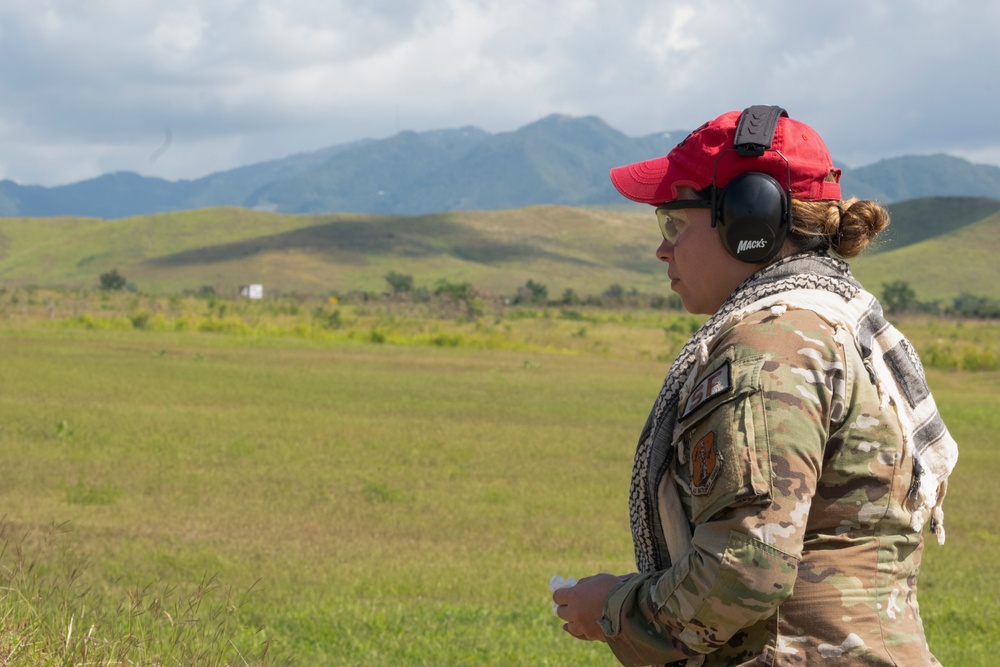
793 480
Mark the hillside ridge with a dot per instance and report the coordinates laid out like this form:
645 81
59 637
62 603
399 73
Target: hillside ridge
558 159
586 249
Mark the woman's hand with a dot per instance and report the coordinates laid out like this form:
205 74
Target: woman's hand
582 606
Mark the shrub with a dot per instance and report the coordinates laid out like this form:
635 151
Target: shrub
898 296
614 292
539 292
457 291
969 305
666 302
112 281
332 320
570 298
400 284
140 320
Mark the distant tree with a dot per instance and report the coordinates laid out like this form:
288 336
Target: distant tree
898 296
532 292
570 298
970 305
615 292
400 284
539 292
112 281
463 294
664 302
457 291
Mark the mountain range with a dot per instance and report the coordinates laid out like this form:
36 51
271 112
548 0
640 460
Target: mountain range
559 159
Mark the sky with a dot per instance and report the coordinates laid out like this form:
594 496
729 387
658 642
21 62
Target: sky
180 89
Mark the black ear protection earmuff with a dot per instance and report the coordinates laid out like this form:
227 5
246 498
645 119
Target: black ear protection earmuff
753 212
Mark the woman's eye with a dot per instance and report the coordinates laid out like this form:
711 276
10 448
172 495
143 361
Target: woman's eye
672 224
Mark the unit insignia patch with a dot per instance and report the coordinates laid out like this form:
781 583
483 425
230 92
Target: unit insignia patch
706 462
716 384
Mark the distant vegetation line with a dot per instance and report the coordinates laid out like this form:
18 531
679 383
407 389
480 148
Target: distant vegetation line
467 300
614 324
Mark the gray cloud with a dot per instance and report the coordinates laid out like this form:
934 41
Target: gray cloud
88 88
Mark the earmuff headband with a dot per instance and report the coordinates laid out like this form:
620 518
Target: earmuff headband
766 223
755 129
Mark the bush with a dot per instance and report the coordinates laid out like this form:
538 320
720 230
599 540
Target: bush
969 305
532 292
457 291
400 284
898 296
140 320
330 321
614 292
668 302
570 298
112 281
539 292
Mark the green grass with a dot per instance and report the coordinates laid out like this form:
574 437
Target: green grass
371 489
385 503
958 603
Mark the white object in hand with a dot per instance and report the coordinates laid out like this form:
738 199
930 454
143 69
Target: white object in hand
557 582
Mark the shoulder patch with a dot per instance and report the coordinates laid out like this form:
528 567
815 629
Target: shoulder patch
716 384
706 461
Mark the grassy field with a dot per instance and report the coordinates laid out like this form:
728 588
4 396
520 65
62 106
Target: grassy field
362 499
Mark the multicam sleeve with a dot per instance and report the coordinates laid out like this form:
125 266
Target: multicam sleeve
749 457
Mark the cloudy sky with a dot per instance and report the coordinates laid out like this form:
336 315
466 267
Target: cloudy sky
182 88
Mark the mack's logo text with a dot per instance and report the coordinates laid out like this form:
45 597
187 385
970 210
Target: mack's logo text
750 245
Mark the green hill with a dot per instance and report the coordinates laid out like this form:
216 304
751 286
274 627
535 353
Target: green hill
583 249
917 220
964 260
941 247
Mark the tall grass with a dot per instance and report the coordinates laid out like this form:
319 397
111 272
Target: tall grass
55 611
956 345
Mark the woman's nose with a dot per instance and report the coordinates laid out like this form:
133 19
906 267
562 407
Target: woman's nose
665 252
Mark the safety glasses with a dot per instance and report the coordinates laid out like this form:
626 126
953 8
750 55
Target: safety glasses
672 219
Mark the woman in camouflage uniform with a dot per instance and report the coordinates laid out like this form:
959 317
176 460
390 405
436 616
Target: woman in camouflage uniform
794 454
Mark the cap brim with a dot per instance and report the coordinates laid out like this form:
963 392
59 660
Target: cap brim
654 181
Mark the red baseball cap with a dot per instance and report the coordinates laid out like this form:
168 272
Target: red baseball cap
704 157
